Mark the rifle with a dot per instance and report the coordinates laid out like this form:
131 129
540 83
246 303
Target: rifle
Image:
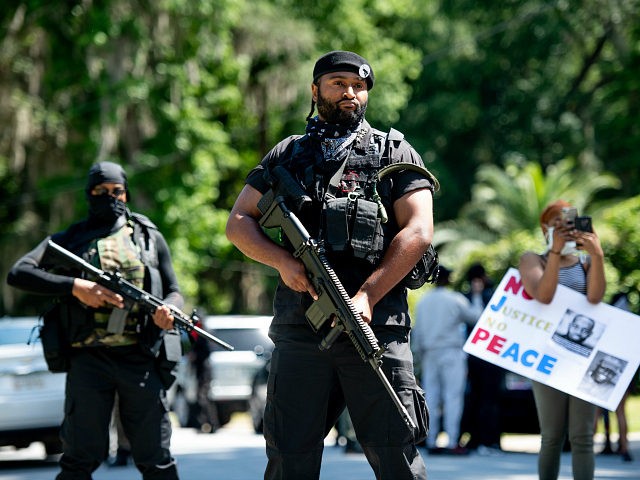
131 295
333 300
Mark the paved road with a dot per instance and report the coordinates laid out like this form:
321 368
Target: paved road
236 453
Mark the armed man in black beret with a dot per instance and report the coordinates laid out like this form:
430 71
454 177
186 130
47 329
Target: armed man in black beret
373 232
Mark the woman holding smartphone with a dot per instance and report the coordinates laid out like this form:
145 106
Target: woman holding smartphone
564 263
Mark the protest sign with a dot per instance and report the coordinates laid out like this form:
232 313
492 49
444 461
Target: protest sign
589 351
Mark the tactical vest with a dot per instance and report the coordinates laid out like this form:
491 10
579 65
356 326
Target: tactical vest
132 251
347 200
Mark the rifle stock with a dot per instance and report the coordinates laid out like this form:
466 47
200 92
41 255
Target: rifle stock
131 293
333 301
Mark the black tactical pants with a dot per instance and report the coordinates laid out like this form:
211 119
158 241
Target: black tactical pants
307 390
96 374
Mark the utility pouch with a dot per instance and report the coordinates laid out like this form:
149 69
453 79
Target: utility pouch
168 357
337 228
55 343
426 270
364 228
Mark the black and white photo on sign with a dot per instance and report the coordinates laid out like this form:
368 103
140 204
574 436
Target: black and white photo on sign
602 375
578 333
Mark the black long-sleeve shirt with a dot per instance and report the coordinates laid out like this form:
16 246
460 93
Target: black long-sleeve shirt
32 273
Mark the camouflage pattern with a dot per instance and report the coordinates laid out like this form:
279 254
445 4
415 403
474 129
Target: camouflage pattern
116 252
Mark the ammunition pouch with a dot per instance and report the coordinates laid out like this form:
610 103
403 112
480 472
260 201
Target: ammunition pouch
352 221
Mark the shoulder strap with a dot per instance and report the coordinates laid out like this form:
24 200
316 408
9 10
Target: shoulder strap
395 145
395 149
395 135
145 241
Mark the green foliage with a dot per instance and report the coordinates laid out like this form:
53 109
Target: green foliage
510 199
190 94
502 221
528 79
620 236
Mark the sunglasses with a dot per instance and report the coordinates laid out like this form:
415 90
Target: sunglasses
116 192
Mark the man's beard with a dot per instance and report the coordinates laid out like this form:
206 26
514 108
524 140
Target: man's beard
332 113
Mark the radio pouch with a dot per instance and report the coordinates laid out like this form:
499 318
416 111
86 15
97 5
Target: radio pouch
364 229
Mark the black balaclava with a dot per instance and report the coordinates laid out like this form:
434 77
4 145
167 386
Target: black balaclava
105 209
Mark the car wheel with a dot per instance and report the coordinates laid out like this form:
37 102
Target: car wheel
224 414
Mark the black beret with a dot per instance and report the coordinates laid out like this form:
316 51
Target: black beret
106 172
342 61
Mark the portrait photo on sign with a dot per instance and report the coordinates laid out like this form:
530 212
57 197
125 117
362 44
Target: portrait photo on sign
602 375
578 333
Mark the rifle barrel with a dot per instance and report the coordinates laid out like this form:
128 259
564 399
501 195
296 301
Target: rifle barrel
136 294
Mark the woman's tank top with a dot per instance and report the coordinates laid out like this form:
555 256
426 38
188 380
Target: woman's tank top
574 277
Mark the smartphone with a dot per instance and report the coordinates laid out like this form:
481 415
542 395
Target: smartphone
583 223
569 215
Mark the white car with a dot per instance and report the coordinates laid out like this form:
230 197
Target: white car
31 397
232 372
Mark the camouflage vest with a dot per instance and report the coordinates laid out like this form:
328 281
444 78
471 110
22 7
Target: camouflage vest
118 252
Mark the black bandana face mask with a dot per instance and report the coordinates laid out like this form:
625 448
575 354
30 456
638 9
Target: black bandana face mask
105 209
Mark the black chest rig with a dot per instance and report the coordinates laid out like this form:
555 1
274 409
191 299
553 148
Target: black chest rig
346 207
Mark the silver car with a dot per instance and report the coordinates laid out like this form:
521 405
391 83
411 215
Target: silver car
231 373
31 397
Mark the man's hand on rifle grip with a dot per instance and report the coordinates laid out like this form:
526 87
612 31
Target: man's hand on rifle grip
95 295
162 317
295 276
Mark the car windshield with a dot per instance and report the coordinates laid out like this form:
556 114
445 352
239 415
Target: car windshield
242 339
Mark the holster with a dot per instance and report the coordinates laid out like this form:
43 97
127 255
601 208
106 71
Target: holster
168 357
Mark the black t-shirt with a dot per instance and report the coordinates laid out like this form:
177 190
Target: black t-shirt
290 306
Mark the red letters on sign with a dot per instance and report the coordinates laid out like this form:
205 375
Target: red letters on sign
530 358
515 286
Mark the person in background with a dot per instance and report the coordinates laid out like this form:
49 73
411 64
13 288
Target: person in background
438 335
481 417
336 163
621 301
206 413
564 263
114 350
122 445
